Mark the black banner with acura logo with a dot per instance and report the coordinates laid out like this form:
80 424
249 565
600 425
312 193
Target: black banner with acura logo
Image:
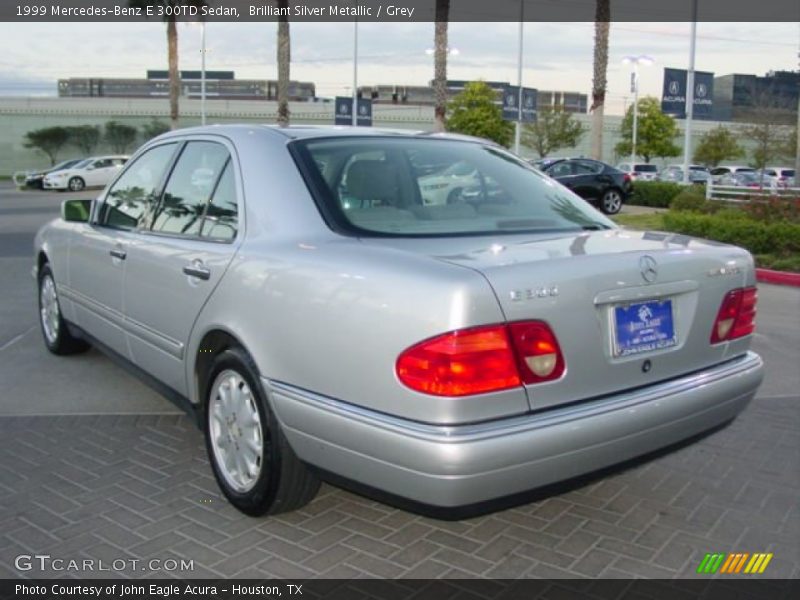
673 97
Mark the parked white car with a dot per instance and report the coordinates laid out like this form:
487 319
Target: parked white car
446 186
96 171
639 171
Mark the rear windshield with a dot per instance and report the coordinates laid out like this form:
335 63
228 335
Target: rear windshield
645 168
433 187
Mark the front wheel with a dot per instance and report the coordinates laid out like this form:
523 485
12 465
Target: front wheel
252 461
76 184
55 332
611 202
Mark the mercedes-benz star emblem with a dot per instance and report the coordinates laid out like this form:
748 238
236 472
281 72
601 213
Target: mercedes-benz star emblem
649 268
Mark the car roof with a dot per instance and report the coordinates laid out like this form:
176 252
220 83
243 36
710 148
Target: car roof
296 132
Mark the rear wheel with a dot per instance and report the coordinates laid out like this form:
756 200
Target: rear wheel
55 332
76 184
611 202
252 461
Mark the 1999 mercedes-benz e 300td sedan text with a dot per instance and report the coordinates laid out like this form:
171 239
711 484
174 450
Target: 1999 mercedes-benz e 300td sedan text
298 292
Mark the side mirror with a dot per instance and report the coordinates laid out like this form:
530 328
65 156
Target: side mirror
76 211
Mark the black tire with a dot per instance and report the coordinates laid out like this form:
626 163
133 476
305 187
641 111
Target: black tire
611 201
76 184
454 196
284 483
55 332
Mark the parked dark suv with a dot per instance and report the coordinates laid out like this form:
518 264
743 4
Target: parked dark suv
592 180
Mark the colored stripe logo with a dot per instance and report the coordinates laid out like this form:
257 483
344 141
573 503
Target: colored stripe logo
734 563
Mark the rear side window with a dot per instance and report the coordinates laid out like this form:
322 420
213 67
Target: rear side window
199 199
587 167
189 189
221 219
131 196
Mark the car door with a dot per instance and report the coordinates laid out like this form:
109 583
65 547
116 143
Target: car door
98 251
561 171
96 172
177 260
589 181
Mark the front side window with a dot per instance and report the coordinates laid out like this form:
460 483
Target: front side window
561 169
419 187
128 200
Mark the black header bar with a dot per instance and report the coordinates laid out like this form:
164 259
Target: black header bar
399 10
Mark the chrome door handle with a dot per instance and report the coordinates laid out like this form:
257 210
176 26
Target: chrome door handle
198 271
118 253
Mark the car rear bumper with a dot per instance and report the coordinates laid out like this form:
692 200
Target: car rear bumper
451 466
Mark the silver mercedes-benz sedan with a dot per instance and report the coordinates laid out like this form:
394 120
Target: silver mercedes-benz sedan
299 292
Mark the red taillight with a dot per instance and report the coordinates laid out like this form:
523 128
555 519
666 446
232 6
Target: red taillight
482 359
626 178
737 315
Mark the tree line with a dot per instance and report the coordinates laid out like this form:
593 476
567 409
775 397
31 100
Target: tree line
86 138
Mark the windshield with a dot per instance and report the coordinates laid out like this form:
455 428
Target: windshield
645 168
428 187
64 164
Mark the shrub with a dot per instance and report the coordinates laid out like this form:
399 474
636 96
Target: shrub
658 194
732 226
690 200
786 263
774 210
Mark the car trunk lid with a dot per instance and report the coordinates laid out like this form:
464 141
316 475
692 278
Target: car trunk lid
601 292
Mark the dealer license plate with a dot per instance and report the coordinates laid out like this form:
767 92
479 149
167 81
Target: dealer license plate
643 327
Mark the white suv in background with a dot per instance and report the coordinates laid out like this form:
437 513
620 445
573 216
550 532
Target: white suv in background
639 171
96 171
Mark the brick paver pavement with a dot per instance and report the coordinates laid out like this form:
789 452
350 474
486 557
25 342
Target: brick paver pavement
140 488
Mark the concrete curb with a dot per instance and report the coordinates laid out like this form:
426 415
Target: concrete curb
778 277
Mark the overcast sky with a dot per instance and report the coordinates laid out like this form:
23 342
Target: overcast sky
557 55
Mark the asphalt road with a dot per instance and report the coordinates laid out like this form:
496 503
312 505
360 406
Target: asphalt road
37 383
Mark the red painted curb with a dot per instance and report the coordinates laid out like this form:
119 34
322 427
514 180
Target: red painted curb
779 277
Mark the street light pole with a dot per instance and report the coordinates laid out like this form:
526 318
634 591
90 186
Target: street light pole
518 124
355 69
635 85
687 136
203 72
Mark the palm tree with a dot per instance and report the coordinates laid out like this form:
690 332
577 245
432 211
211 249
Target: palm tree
440 63
284 58
602 24
172 47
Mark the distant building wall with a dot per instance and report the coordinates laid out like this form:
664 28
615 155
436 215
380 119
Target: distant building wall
20 115
219 85
740 97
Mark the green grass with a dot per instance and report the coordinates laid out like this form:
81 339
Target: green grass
642 222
